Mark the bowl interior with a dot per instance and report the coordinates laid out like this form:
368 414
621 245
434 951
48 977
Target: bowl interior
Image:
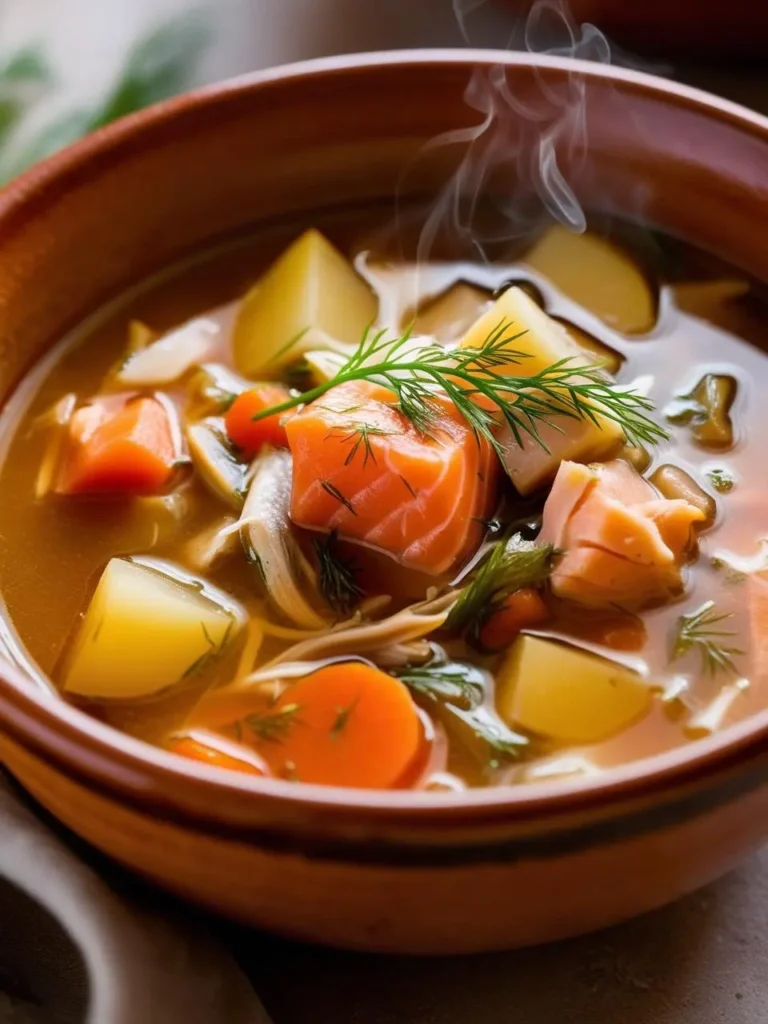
182 177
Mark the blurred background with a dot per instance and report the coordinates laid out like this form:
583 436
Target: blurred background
67 66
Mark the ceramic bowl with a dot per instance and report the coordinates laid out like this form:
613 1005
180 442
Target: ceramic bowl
406 872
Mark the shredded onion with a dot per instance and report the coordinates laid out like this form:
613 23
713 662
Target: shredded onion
268 539
166 360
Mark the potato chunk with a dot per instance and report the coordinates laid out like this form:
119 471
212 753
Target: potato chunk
310 288
447 316
543 341
146 630
598 275
567 695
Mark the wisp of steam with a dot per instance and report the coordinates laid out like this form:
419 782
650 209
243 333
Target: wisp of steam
517 141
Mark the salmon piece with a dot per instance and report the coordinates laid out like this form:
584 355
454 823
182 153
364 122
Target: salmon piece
622 543
360 467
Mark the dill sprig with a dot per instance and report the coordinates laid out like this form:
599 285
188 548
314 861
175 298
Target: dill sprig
698 631
359 436
342 718
452 683
336 576
485 397
510 566
273 726
457 692
333 491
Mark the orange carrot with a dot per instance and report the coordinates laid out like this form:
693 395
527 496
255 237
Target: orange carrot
187 746
248 435
520 610
119 444
347 724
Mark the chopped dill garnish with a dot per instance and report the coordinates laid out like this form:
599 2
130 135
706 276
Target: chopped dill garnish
721 479
510 566
456 693
336 576
697 631
342 718
452 683
565 389
213 650
408 486
334 492
273 726
360 434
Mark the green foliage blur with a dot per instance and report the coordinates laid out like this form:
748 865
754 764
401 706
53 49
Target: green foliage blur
160 65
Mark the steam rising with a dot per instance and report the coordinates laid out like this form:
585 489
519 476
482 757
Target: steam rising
517 140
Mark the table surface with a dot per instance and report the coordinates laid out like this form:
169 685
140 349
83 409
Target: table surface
702 960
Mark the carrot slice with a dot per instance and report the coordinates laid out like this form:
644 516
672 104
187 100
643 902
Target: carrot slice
248 435
347 724
520 610
194 749
119 444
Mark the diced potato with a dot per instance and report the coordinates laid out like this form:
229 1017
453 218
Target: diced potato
147 629
544 341
596 274
567 695
449 315
595 350
324 365
312 289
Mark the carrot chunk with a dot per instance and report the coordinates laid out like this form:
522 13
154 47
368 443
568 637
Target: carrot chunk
248 435
121 445
521 610
196 750
361 468
347 724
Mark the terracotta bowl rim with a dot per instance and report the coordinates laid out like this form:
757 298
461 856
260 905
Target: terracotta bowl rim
86 748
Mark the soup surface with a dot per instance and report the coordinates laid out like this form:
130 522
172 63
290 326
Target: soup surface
514 533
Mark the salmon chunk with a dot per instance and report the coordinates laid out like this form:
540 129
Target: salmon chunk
361 468
621 542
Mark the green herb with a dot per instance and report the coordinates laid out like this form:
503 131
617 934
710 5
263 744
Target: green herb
456 693
408 486
273 726
721 479
698 631
342 717
525 403
212 651
510 566
452 683
24 78
334 492
486 735
336 576
160 65
360 434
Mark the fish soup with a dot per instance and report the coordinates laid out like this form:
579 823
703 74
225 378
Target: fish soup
309 509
